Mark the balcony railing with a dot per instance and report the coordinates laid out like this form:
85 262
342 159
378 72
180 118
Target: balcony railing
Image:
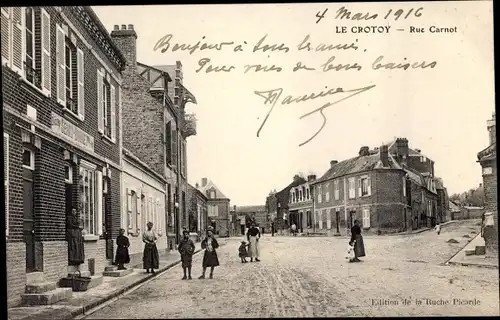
32 75
189 128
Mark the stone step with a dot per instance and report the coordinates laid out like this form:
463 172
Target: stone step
81 274
118 273
40 287
95 281
83 267
480 250
35 277
470 252
111 268
46 298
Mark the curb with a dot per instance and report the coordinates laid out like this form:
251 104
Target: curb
471 265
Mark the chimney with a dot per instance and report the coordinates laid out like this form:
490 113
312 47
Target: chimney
492 129
196 185
311 177
333 162
126 40
402 150
204 182
384 155
418 150
364 151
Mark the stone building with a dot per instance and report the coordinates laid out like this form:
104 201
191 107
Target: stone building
61 87
197 210
487 158
155 128
300 206
217 207
384 188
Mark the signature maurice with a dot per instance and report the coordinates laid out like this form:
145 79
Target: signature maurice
273 95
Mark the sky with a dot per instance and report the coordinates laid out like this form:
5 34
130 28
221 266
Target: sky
441 110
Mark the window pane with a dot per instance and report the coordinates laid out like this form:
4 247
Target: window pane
27 158
67 172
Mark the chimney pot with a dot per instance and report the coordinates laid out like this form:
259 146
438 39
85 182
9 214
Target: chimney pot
117 27
124 27
333 162
384 155
131 27
364 151
311 177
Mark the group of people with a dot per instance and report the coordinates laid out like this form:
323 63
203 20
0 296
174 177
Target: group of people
253 236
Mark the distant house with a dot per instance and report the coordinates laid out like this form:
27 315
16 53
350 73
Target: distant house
257 213
386 189
454 210
282 203
217 207
197 209
300 205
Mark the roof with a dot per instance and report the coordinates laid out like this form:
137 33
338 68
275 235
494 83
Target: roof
284 194
411 152
439 184
357 164
193 189
249 209
415 177
170 69
453 206
210 185
490 153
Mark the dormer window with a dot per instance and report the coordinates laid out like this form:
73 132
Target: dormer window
212 194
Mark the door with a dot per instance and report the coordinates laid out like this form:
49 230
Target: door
107 220
337 220
29 219
301 222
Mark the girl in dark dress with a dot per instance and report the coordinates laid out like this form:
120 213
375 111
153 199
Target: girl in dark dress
186 249
122 256
210 258
359 247
242 251
76 254
150 259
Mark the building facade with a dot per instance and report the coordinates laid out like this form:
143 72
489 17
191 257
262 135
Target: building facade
155 127
217 208
487 158
143 201
257 214
197 210
378 188
300 206
61 88
282 204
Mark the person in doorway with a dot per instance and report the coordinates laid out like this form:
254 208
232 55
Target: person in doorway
150 258
76 253
122 256
253 236
294 230
210 258
438 228
357 239
242 252
186 249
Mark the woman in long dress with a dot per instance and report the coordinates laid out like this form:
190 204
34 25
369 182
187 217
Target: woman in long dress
150 259
76 254
122 255
357 238
253 236
210 258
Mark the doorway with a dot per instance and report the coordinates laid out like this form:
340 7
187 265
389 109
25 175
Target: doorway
107 218
28 209
301 222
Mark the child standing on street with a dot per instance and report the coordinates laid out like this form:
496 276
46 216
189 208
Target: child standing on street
438 228
243 252
350 252
186 249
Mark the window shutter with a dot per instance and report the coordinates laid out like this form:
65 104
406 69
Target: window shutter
81 78
18 34
129 209
139 209
100 93
358 185
158 215
98 201
113 112
6 175
46 65
60 62
6 36
174 147
369 186
216 208
150 210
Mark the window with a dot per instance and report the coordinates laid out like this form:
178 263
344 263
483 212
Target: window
322 214
366 218
212 194
68 173
309 219
308 195
174 148
107 103
328 219
352 190
319 194
336 192
29 159
300 195
6 175
21 41
213 210
70 72
404 186
88 196
365 185
168 142
132 211
327 196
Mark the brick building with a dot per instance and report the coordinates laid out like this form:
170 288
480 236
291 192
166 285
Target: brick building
155 126
487 158
282 203
197 210
300 205
217 207
382 188
61 85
